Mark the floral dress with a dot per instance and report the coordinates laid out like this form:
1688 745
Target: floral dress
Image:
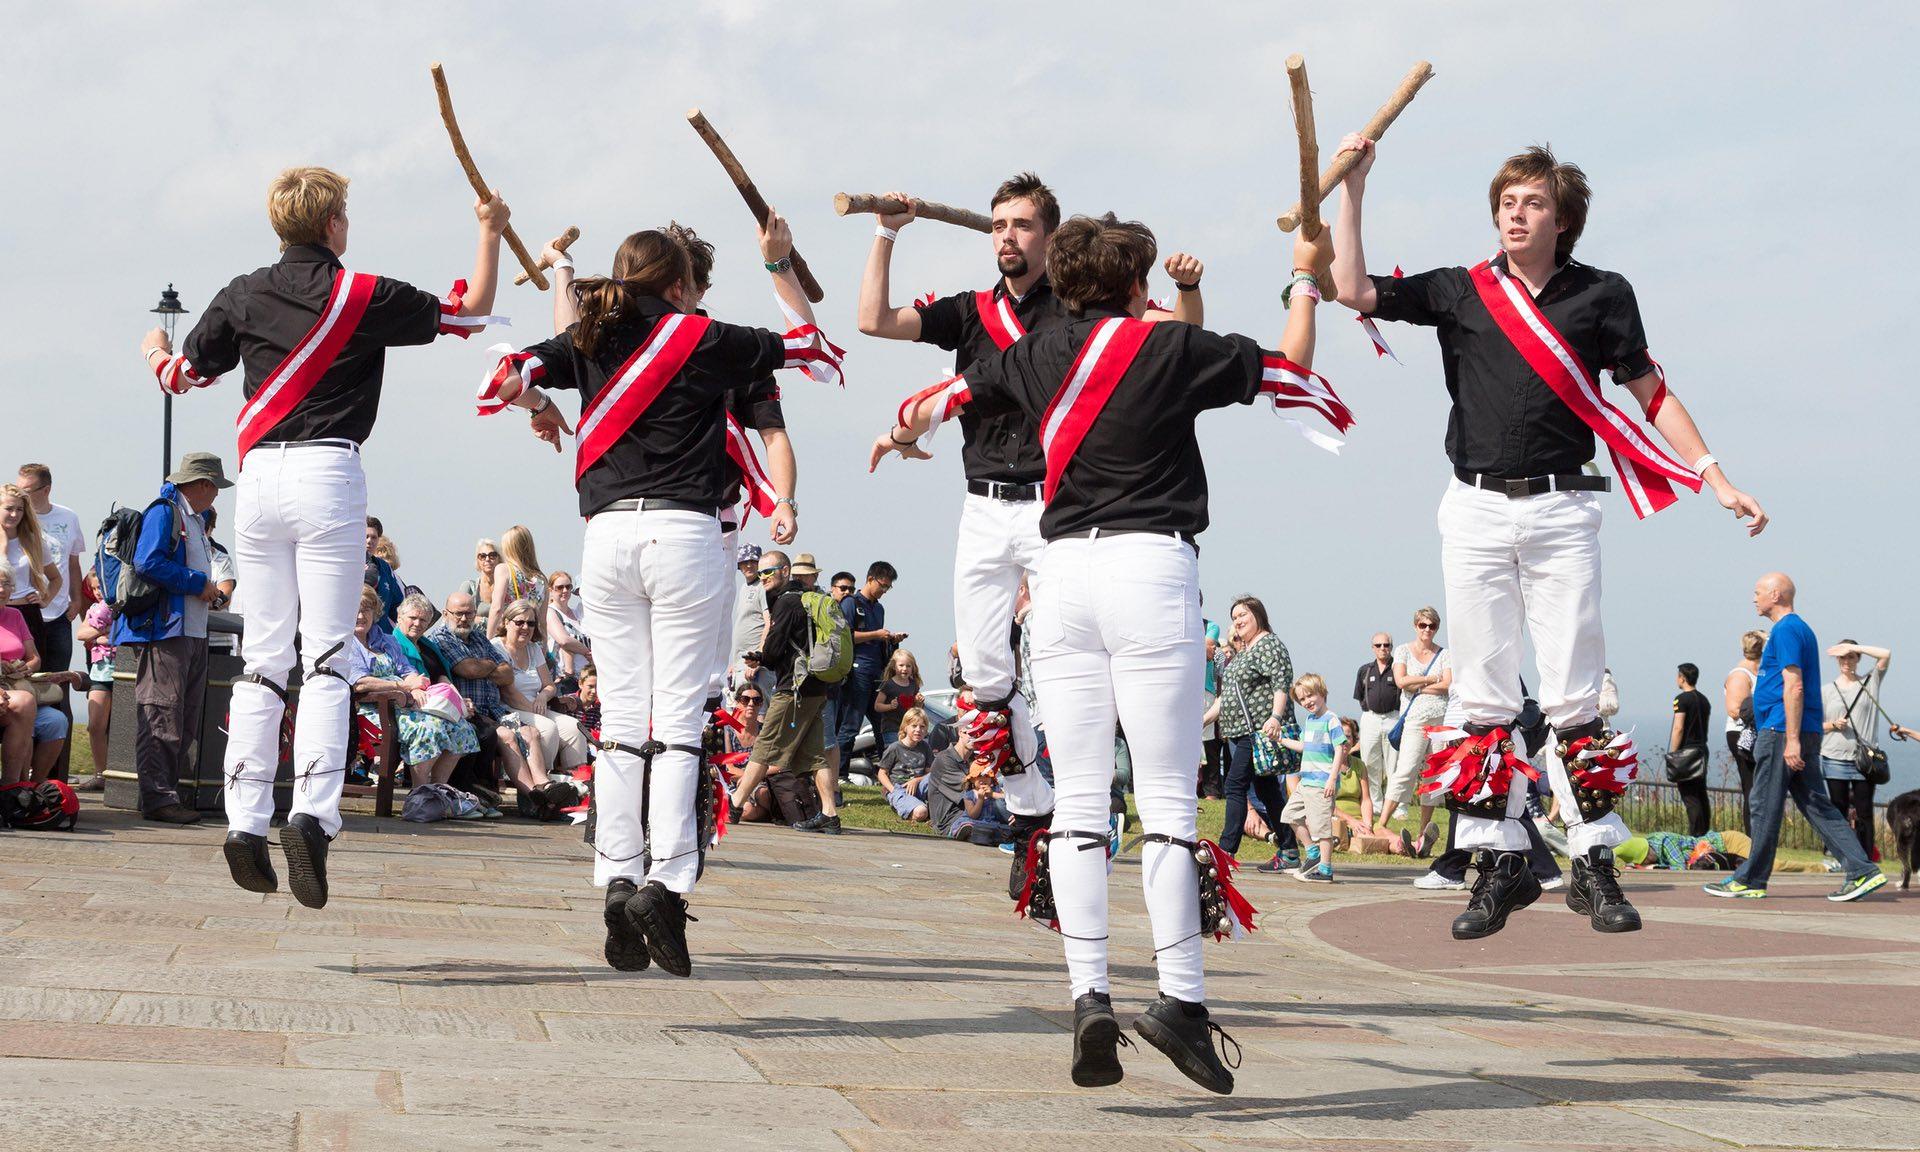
1248 685
422 735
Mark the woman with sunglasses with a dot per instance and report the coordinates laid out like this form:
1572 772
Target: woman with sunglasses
486 559
1423 671
553 738
567 639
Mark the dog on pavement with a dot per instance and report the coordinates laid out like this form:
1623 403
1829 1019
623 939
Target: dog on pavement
1903 817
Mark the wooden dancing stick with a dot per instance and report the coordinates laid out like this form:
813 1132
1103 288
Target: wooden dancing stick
480 188
756 203
1309 145
1377 127
565 242
847 202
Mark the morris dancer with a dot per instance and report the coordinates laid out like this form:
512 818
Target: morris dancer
313 338
652 476
1524 337
1116 628
1000 539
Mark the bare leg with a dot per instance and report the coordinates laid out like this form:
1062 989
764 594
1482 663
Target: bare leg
750 779
16 742
44 756
825 780
441 769
99 719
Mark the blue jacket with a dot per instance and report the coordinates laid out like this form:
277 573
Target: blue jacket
161 556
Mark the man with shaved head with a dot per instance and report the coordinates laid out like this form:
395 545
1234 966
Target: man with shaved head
1787 719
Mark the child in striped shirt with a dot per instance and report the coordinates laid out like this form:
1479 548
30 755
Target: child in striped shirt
1323 756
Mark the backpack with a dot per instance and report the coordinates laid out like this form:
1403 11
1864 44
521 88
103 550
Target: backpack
830 651
121 585
430 803
44 807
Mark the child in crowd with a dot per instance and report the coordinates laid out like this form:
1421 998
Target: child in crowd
1323 756
894 695
903 768
583 704
96 632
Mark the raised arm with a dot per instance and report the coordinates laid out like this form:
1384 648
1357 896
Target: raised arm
1882 656
1311 259
1675 424
877 315
776 246
493 215
566 309
1350 266
1188 308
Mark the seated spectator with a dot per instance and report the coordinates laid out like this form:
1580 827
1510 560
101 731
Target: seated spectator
411 622
903 768
750 709
893 697
18 659
583 704
553 739
477 668
96 632
567 640
50 729
955 804
429 745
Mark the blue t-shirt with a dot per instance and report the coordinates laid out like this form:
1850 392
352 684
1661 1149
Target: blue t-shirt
1319 737
1791 643
864 615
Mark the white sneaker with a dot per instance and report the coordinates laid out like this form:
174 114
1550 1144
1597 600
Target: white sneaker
1554 884
1434 882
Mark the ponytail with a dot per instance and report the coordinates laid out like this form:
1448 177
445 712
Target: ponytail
648 263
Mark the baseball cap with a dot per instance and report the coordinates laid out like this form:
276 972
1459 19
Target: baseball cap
749 554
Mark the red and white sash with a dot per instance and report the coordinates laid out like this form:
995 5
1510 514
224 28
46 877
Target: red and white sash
1373 330
1646 471
1104 359
295 377
1288 385
634 388
954 395
756 487
809 350
507 363
998 318
177 375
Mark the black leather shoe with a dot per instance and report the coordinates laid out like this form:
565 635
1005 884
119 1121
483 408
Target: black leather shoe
1503 887
1096 1042
662 918
1595 893
819 822
305 846
1184 1033
174 813
626 946
1024 829
249 862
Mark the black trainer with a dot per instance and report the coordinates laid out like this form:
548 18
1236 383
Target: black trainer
662 917
1503 887
305 846
249 862
626 949
1096 1042
819 822
1184 1033
1595 893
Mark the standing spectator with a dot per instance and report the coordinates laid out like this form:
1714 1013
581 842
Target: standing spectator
750 610
1212 745
566 635
519 577
1736 692
555 740
96 632
1789 720
170 680
1323 748
790 740
894 696
871 642
225 573
59 525
840 586
1852 708
1255 689
1423 671
36 561
486 562
1378 696
380 577
477 668
1687 750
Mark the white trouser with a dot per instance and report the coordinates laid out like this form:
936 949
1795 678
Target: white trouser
723 620
650 580
1531 565
1403 783
299 548
563 741
999 543
1375 753
1117 638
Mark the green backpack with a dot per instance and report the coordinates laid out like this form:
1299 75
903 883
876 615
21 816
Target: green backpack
830 653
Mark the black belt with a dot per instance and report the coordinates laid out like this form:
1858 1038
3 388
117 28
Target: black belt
1012 493
653 504
329 443
1093 533
726 527
1535 485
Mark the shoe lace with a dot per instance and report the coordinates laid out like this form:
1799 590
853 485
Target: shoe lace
1605 879
1482 893
1220 1038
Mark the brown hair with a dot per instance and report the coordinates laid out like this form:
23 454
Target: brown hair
39 472
302 201
699 253
1099 261
1027 186
1256 608
371 599
1566 184
647 264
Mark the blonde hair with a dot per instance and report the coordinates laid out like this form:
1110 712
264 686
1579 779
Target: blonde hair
913 667
384 548
1753 643
301 202
371 599
915 715
32 545
1308 684
1429 615
516 550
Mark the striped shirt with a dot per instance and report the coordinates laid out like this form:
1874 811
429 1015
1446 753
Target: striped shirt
1319 737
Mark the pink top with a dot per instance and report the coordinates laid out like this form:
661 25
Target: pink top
100 616
14 636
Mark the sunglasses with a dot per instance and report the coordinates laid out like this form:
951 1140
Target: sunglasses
843 587
748 699
562 587
1383 645
519 623
764 572
486 555
1425 627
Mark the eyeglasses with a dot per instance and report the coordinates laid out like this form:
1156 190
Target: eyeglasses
1383 645
486 555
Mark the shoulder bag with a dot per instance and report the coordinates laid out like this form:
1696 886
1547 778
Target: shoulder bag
1868 757
1399 728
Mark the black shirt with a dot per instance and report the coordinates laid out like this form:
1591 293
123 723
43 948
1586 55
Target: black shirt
259 317
1139 465
1693 709
755 407
677 450
789 639
1006 447
1374 689
1506 421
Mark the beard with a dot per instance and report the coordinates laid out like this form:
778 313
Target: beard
462 634
1013 265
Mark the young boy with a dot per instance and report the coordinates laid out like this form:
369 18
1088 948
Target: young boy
904 766
1323 756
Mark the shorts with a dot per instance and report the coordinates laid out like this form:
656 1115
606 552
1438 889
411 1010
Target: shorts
100 675
49 724
790 735
1309 804
904 803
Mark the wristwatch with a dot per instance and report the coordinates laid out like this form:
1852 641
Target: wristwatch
781 265
788 501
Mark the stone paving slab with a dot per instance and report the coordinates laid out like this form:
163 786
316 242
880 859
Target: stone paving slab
870 992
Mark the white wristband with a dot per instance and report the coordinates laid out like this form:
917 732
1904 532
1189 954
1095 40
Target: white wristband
151 351
1701 465
888 233
563 262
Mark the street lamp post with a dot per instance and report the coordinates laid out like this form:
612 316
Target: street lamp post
169 311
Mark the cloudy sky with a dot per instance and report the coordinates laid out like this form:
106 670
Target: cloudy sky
1752 173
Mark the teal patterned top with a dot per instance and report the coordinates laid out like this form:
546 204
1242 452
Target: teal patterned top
1248 684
